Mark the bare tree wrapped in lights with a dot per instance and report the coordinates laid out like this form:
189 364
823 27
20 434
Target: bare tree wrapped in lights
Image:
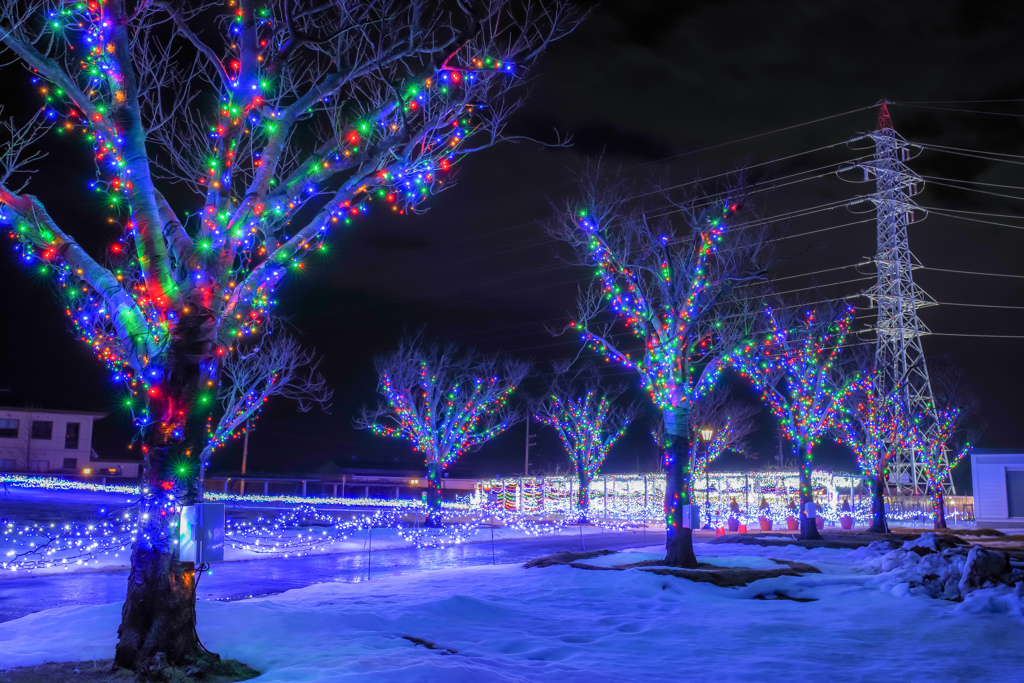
444 402
582 409
279 366
944 437
731 422
794 370
938 453
873 425
321 111
667 286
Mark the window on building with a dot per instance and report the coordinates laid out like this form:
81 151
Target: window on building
42 429
71 435
8 429
70 463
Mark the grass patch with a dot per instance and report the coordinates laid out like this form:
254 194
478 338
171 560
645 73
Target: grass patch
779 595
971 532
839 540
723 577
733 577
102 671
566 557
429 645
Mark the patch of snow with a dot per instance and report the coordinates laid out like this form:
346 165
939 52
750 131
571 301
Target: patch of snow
506 623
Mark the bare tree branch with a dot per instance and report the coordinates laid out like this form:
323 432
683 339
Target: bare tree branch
278 366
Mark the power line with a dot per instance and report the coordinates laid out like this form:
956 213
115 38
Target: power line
973 182
806 289
814 232
975 220
984 336
531 242
962 111
952 102
974 189
950 303
984 156
754 137
937 147
1009 216
969 272
816 272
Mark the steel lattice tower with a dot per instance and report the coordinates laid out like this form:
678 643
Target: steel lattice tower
899 357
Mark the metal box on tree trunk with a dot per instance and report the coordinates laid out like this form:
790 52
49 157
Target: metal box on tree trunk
691 517
201 533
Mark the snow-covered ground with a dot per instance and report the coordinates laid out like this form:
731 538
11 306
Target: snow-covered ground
507 623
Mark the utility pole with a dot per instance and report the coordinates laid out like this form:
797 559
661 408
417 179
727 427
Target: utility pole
526 462
899 356
28 446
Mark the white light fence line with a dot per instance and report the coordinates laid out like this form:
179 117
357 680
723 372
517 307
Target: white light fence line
536 505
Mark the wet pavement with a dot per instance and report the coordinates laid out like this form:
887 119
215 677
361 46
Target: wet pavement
239 580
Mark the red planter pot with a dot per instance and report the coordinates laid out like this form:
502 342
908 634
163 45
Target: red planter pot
820 523
766 524
846 522
792 524
734 524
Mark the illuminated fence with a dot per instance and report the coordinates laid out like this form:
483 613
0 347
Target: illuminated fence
745 496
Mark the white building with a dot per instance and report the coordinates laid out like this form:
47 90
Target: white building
998 488
40 439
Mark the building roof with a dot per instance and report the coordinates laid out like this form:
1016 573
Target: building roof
14 400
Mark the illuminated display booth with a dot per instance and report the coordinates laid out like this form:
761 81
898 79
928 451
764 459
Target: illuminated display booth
744 496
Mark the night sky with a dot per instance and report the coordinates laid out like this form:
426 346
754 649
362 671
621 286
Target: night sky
680 92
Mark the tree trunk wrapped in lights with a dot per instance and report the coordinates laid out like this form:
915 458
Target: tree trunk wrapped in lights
793 369
444 403
668 288
323 110
583 411
874 427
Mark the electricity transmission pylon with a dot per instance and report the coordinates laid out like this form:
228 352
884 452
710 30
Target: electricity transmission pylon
899 357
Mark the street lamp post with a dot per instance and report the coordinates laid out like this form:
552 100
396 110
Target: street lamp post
706 434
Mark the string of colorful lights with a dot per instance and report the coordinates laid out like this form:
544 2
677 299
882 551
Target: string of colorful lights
663 304
875 427
935 451
587 428
793 370
207 281
442 408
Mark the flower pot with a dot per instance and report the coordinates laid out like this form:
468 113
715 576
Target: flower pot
734 524
820 523
846 521
766 524
743 528
792 524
